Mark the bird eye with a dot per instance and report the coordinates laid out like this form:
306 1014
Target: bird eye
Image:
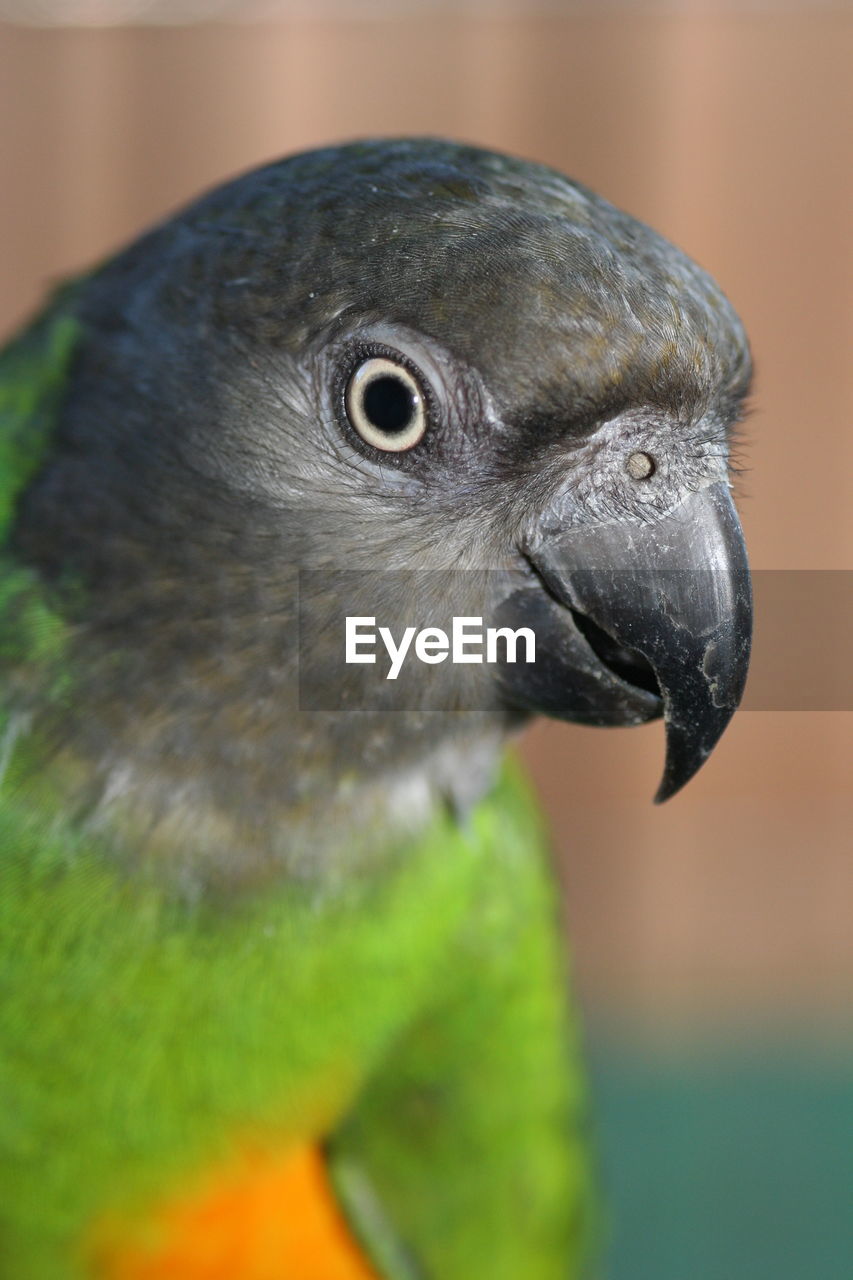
385 405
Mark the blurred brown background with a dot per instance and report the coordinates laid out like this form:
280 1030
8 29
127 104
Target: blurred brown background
729 128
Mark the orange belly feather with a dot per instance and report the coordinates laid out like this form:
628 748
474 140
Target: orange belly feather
264 1217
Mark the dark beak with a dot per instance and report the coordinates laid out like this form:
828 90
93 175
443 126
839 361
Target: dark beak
643 619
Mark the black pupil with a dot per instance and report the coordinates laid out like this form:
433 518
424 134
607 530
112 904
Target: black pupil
389 404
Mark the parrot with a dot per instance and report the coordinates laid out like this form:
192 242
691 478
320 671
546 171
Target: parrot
285 989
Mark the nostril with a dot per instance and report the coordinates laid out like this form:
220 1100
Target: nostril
640 466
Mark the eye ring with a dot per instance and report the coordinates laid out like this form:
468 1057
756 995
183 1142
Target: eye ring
385 404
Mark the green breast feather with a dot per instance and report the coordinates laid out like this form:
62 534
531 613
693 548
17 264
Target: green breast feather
142 1037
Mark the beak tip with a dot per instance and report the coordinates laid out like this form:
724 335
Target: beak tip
687 749
662 794
669 787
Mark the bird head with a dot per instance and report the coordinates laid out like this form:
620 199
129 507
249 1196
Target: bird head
400 376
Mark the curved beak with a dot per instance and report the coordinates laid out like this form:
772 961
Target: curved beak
665 608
